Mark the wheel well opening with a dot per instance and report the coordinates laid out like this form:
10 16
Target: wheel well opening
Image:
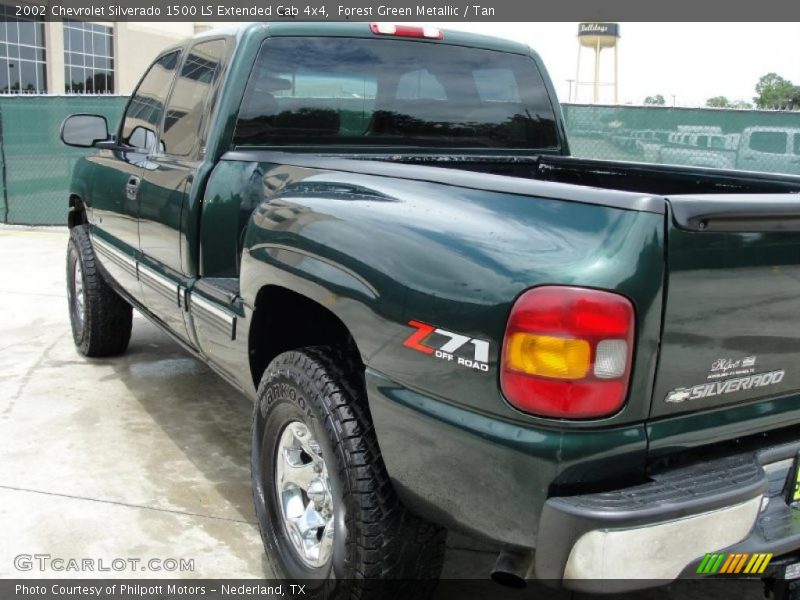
284 320
77 212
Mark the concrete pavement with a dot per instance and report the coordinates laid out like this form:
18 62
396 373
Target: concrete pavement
139 456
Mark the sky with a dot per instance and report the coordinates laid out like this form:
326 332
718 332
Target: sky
692 61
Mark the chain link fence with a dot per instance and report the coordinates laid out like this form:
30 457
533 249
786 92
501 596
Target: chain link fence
35 167
749 140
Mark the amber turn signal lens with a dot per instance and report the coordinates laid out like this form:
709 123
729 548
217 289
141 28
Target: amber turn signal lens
547 356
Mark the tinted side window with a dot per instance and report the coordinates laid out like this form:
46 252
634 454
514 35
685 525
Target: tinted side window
190 98
773 142
147 104
797 143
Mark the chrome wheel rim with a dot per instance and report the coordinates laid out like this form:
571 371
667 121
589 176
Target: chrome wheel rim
304 493
78 298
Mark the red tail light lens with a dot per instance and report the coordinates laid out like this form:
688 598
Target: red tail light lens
567 352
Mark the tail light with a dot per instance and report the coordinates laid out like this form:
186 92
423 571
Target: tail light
567 352
432 33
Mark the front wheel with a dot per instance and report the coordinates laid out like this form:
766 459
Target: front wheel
101 320
326 509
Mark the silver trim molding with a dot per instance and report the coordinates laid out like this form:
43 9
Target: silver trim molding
160 283
221 318
115 255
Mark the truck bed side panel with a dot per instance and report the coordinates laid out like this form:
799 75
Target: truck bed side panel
381 252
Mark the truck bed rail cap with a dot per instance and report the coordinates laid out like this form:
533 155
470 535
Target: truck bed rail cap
737 212
460 178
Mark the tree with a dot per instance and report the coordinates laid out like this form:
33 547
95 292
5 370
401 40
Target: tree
718 102
775 92
657 100
794 99
742 104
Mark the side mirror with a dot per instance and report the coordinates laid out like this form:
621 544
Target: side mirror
84 131
142 138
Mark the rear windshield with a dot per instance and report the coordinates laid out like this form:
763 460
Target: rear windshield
382 92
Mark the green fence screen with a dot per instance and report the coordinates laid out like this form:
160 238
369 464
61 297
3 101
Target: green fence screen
35 167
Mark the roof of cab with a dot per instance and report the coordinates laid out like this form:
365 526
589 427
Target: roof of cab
362 30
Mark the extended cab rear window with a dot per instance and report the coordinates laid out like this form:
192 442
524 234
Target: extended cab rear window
384 92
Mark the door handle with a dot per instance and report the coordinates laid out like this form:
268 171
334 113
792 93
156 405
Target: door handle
132 187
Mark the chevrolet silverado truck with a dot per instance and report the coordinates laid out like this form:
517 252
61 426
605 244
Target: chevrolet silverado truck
443 320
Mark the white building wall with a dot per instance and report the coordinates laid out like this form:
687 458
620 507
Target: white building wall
136 45
54 40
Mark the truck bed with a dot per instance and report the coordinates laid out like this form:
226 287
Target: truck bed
624 176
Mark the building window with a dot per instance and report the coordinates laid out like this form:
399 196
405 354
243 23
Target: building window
88 58
23 68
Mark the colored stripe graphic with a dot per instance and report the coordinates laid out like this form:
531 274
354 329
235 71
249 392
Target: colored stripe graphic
740 564
704 563
722 562
730 564
718 562
762 563
727 564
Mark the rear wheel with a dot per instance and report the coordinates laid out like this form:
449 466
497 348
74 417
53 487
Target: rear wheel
325 505
101 320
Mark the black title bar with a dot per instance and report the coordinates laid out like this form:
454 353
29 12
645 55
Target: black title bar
405 10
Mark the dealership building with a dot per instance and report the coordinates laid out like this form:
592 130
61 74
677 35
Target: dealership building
75 57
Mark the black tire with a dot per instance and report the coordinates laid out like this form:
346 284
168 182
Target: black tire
102 327
380 550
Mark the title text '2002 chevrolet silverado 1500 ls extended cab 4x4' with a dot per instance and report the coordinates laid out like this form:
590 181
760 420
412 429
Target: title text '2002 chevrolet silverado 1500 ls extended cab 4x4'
444 320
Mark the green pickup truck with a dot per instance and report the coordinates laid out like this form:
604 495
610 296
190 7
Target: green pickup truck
445 321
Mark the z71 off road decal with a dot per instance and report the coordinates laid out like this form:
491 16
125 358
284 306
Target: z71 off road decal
729 386
463 350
